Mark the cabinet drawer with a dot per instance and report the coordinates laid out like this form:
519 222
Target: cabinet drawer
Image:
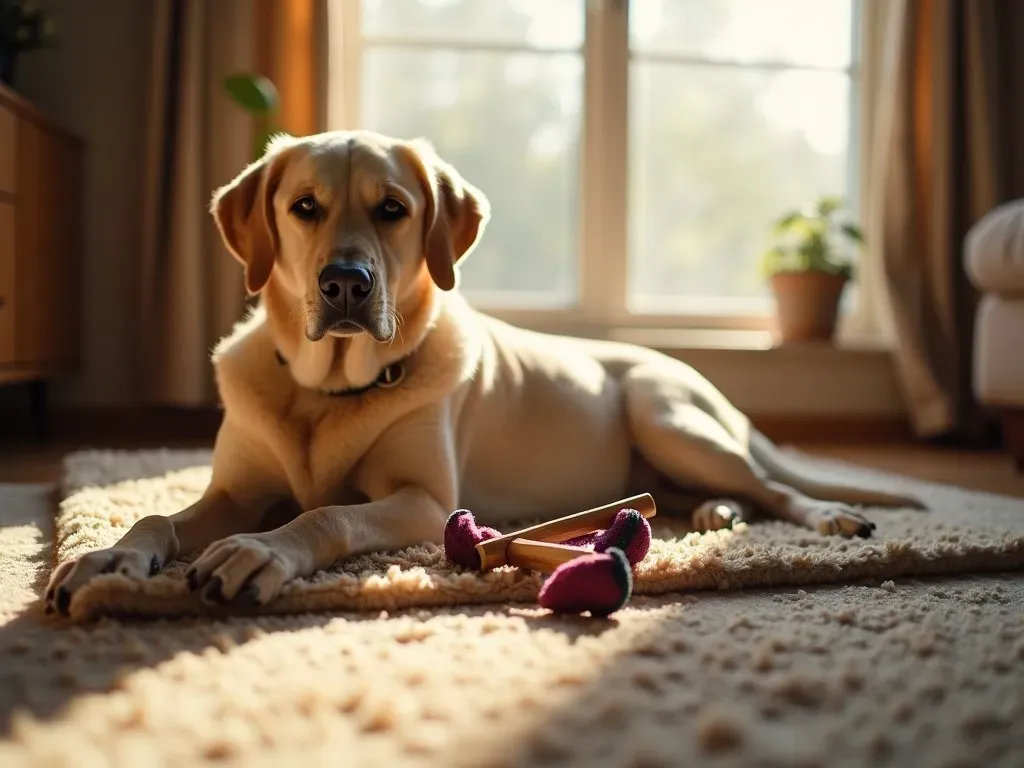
8 138
7 278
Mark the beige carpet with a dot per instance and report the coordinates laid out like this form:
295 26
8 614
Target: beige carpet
894 671
107 492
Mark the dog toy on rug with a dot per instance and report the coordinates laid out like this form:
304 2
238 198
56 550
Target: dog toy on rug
589 555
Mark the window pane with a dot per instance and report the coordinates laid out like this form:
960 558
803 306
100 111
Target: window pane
531 23
809 32
716 154
510 124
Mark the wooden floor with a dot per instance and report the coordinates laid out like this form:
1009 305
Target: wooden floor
40 463
977 470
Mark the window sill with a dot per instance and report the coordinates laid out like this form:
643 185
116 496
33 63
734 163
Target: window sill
721 339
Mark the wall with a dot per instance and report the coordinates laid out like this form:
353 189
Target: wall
94 84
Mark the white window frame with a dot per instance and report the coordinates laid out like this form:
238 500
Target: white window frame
601 306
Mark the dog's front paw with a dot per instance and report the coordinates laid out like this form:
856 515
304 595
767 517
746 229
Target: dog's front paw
247 567
69 577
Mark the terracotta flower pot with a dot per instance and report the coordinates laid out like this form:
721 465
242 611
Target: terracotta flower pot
806 305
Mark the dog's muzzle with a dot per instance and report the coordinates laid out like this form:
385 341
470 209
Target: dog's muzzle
345 287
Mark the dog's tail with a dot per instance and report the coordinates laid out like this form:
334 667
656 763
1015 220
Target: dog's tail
772 460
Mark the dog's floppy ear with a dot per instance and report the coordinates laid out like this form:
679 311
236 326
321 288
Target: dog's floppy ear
455 216
244 211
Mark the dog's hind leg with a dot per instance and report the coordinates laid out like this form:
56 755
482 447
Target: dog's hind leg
706 514
689 432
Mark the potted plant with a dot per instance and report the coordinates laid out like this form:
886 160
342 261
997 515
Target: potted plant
808 264
23 27
258 96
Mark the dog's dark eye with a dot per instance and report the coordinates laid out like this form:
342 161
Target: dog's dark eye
306 208
391 210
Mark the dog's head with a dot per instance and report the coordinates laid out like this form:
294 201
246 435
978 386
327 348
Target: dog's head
348 225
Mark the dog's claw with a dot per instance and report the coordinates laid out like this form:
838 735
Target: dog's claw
63 600
250 595
154 565
212 592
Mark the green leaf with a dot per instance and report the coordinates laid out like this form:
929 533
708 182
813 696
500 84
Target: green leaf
853 232
787 222
805 241
805 229
829 205
775 260
789 218
255 93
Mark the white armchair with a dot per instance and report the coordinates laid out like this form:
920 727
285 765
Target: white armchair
994 261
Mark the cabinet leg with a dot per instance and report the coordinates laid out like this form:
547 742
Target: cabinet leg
38 409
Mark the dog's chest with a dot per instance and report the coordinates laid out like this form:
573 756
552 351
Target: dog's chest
320 450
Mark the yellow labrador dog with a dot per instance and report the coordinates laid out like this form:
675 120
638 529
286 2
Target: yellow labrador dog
364 401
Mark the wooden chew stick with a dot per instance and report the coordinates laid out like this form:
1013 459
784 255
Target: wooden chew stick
494 552
543 556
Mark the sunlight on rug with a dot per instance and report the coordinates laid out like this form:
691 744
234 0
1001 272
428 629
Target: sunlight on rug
891 672
105 492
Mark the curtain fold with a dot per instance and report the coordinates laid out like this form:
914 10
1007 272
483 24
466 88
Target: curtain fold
945 119
191 292
869 319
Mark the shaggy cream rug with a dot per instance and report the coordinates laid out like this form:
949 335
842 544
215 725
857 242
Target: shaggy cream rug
105 493
890 670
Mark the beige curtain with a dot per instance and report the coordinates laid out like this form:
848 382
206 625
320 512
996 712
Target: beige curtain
947 118
190 290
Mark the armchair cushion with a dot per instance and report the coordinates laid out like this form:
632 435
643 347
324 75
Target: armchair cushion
994 250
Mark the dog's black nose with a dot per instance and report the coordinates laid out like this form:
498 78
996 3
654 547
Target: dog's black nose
344 286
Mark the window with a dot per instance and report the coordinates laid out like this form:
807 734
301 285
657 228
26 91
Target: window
635 152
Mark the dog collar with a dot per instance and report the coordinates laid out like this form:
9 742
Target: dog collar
390 376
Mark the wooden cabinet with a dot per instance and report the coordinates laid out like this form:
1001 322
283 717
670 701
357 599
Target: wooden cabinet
40 244
8 343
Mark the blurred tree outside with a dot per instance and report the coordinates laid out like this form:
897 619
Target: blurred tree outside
716 153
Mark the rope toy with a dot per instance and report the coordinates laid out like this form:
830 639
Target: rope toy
589 555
